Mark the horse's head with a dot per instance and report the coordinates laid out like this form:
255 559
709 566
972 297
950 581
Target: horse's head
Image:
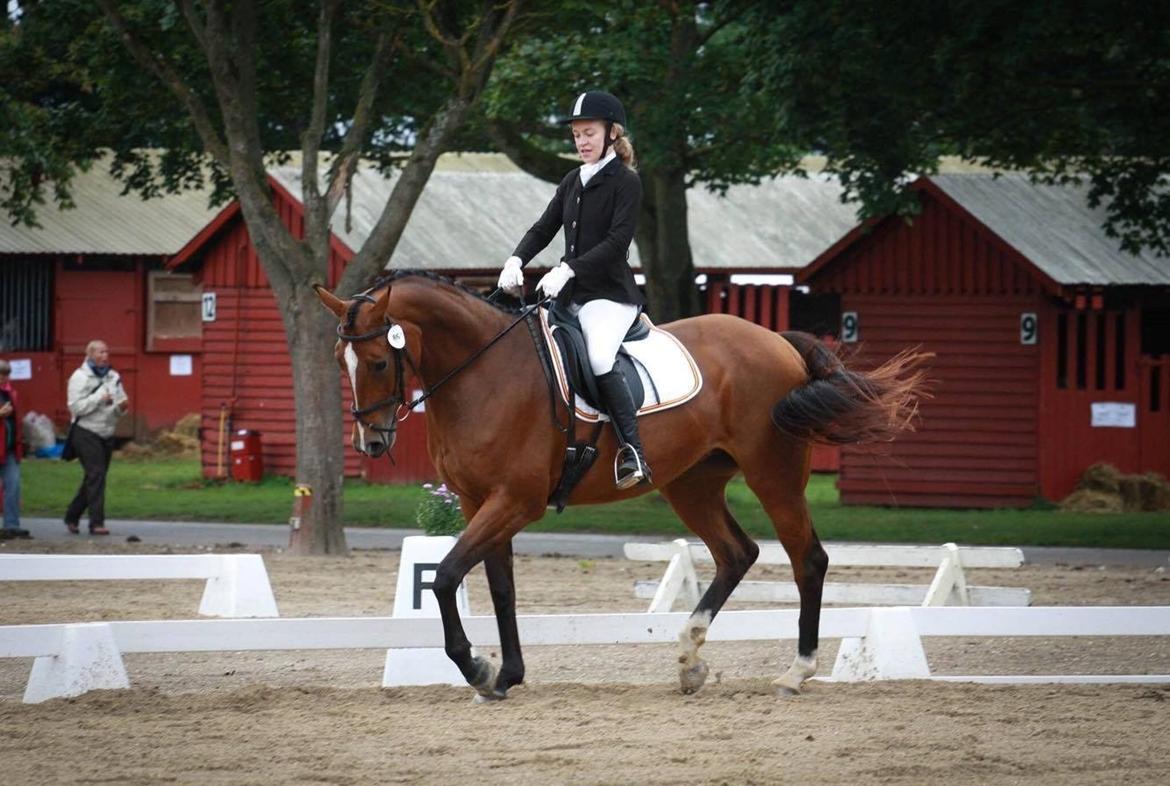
372 351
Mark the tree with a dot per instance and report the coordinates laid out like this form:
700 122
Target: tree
677 68
1062 90
222 87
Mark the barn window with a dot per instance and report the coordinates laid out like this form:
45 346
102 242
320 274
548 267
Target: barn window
1099 369
174 316
26 306
1119 353
1062 350
1156 330
1082 354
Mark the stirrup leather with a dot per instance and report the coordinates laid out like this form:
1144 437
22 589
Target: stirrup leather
626 455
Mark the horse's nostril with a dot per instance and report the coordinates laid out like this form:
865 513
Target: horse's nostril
375 448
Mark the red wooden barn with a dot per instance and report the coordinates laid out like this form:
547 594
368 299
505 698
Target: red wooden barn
96 272
454 230
1053 346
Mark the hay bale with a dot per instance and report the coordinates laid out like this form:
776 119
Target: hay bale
1101 477
175 443
1149 492
1091 501
188 425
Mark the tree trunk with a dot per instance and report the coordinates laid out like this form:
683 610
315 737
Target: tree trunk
320 442
292 268
664 246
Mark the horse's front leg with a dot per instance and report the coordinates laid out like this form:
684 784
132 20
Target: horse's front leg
490 530
503 588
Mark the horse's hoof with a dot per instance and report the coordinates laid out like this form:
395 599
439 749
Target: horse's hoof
484 681
490 698
785 692
691 679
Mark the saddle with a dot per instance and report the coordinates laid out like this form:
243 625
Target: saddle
659 370
570 340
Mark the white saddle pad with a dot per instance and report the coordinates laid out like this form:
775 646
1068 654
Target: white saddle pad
669 374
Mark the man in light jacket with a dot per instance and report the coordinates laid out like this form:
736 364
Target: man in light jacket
97 400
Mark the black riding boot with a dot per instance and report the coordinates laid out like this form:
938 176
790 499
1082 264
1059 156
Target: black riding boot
632 468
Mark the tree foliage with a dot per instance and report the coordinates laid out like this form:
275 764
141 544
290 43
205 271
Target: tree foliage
677 67
1063 89
191 93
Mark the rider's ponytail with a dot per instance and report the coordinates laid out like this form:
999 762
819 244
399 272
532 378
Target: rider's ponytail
623 148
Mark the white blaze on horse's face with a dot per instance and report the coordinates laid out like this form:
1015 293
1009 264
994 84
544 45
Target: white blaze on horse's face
351 365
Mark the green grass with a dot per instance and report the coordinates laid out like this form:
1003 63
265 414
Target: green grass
172 489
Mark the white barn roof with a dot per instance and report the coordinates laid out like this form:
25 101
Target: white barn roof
475 209
1054 227
106 222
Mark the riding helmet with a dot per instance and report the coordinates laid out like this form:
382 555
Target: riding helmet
597 105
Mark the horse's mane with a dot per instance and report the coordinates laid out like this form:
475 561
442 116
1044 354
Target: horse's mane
397 275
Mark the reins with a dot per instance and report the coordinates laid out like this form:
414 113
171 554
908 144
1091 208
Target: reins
399 398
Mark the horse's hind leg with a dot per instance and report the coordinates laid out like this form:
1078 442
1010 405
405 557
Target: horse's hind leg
779 481
698 499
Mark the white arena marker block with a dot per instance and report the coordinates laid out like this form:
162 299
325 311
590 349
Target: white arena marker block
88 660
421 555
890 650
240 589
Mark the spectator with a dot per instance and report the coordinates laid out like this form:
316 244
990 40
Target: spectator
11 452
96 400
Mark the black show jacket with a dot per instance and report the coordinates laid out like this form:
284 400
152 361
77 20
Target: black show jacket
599 222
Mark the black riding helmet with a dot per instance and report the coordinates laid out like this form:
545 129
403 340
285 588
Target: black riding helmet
599 105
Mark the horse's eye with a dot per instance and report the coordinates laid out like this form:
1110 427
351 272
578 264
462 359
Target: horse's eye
380 365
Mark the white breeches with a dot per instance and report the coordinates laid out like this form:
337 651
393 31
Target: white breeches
605 323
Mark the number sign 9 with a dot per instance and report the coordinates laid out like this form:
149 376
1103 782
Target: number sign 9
850 327
1029 328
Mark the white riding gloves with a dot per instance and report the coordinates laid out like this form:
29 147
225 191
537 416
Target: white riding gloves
554 280
511 277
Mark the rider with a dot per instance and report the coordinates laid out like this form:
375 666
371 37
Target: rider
597 204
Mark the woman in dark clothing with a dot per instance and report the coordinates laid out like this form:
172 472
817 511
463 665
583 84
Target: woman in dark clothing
597 206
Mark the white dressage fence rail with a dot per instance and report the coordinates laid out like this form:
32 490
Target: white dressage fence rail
948 588
74 658
237 584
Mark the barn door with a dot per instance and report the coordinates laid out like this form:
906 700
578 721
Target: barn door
1154 412
101 301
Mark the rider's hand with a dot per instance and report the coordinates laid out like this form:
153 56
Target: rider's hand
511 277
555 280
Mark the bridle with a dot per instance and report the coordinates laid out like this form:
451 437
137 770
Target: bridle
398 399
399 396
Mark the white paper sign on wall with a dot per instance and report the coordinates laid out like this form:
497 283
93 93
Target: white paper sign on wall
181 365
21 369
1114 414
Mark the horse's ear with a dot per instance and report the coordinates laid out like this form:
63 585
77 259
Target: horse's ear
381 304
330 300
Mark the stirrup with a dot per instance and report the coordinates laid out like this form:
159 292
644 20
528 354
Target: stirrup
639 474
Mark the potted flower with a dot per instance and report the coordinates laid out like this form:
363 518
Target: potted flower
439 512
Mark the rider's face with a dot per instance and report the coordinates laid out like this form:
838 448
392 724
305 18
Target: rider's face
589 137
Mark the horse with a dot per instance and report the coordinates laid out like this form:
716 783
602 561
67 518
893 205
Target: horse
766 397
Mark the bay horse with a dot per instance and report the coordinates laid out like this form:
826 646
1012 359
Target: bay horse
765 398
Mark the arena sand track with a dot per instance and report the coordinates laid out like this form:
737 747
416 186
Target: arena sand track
607 715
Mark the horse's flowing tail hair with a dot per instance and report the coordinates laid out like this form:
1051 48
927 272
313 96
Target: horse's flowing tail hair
839 406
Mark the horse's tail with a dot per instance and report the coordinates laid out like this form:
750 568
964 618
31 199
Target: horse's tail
838 406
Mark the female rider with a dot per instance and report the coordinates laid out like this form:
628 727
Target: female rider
597 204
